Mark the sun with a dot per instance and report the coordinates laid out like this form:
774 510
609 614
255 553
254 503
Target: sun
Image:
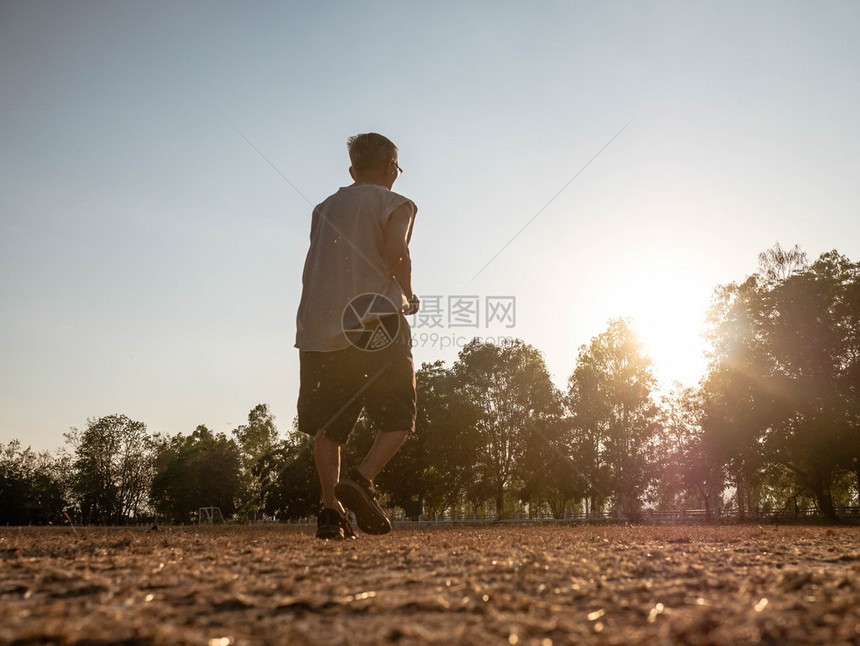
667 302
671 334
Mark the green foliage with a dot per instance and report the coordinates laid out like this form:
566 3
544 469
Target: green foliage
512 390
613 415
33 487
687 469
112 469
294 491
257 440
782 392
549 474
200 470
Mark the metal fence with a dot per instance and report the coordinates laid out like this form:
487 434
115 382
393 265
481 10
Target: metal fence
647 516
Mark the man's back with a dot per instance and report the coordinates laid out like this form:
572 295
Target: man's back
346 259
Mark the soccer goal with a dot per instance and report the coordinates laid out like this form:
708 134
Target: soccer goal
210 515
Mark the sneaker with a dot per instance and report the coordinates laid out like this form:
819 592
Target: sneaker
357 494
332 525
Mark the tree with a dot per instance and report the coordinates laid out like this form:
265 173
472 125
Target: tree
549 473
257 440
614 416
32 486
112 469
511 387
777 264
200 470
688 469
811 334
737 400
295 490
782 388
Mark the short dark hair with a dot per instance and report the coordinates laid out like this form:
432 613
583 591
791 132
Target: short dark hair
369 150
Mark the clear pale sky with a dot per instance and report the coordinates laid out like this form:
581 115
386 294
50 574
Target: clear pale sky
150 258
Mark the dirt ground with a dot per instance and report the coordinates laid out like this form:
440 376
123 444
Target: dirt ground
536 584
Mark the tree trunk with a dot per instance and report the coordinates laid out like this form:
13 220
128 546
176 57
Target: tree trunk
740 495
824 496
857 473
825 502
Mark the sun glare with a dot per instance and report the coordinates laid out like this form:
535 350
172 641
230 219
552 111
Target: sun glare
667 304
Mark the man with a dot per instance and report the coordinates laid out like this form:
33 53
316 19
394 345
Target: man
353 338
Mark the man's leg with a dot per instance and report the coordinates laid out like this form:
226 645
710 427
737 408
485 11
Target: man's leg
327 459
390 404
384 448
356 490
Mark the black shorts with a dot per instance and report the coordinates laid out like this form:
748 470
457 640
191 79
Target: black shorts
336 386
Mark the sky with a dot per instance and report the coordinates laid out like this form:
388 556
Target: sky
572 161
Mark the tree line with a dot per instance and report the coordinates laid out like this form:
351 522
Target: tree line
774 424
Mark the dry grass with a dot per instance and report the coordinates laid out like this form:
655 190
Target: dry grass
493 585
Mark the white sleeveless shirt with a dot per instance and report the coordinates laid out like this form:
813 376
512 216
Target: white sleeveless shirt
344 261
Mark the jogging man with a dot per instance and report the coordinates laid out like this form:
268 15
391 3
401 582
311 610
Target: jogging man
353 338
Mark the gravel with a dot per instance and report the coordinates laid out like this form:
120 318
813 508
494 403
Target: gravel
519 584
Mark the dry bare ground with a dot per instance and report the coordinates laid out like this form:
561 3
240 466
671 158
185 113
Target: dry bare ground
536 584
